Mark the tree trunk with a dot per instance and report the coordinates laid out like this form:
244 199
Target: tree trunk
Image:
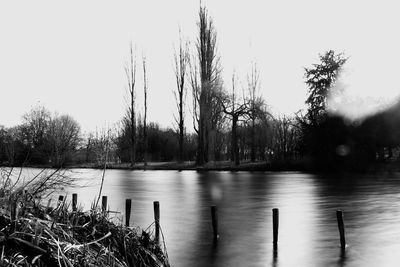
181 127
200 160
145 112
252 142
133 137
234 145
211 145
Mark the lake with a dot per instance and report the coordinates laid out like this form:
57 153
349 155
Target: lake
308 231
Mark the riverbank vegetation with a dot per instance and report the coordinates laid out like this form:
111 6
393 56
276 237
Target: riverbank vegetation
40 234
226 124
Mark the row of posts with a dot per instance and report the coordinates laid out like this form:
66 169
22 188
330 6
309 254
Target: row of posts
275 226
214 219
128 208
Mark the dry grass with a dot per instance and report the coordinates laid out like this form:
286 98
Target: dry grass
33 234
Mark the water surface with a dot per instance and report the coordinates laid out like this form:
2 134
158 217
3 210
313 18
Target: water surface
308 233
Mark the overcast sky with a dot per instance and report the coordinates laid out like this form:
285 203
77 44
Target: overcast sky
70 56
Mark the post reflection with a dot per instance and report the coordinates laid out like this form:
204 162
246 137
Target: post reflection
275 257
342 258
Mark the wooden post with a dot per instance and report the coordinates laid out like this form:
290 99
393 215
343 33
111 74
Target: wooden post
128 205
339 216
104 203
275 226
156 205
13 214
60 201
48 205
13 209
74 201
214 218
60 205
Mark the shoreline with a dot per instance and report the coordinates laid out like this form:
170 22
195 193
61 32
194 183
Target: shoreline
393 166
185 166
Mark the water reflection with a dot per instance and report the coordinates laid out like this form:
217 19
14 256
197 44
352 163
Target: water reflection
275 257
308 233
342 258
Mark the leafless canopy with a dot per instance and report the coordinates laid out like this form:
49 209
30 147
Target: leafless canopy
181 61
130 70
205 81
145 88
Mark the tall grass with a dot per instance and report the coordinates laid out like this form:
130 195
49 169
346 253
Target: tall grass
33 234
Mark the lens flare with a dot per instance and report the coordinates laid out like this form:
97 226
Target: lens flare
347 100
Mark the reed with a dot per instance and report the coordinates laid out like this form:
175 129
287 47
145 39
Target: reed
39 235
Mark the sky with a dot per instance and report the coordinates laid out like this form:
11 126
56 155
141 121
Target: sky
70 56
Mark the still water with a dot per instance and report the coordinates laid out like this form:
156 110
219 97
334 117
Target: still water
308 232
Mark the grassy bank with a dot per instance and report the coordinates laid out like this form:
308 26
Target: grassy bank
37 235
210 166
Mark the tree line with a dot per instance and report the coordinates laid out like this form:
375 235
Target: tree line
48 139
229 123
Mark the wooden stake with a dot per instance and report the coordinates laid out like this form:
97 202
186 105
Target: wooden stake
128 205
60 201
104 203
13 210
339 216
48 205
74 202
156 205
275 226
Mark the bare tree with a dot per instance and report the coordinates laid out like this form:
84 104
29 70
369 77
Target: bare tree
205 80
181 61
256 103
130 70
102 144
89 147
286 134
195 86
145 88
234 111
34 128
63 137
36 123
9 140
